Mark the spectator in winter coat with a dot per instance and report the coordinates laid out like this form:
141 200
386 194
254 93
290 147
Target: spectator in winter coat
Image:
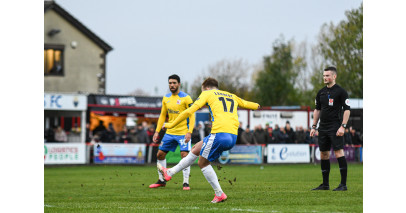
151 132
356 142
124 136
291 134
260 136
300 135
347 137
247 137
276 134
240 131
308 140
283 136
270 138
100 128
60 135
142 136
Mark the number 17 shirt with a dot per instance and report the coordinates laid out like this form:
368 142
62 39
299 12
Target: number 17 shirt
223 109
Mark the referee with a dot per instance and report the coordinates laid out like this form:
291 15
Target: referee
331 100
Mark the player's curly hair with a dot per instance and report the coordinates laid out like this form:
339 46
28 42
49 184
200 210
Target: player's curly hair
210 82
174 76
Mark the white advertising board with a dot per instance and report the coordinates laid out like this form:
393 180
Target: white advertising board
65 102
288 153
272 117
64 153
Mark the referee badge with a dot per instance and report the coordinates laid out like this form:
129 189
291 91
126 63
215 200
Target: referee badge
330 102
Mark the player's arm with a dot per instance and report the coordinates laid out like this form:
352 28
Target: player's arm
182 116
161 121
187 113
192 120
246 104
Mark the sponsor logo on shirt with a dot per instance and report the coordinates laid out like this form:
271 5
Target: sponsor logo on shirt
330 102
173 111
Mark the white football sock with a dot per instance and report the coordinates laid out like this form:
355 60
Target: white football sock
186 172
211 177
185 162
163 163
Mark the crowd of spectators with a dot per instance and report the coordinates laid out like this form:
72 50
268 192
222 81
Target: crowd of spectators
274 135
288 135
143 133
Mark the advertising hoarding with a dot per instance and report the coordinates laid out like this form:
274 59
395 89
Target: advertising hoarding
351 154
105 153
242 154
288 153
64 153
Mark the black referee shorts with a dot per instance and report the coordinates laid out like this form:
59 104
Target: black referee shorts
328 139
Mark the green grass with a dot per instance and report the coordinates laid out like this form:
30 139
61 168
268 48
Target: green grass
257 188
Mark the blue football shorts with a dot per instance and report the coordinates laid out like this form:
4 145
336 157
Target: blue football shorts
170 142
215 143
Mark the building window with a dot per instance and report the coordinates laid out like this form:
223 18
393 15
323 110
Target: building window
53 60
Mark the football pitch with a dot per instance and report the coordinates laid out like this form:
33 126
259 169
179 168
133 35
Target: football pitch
250 188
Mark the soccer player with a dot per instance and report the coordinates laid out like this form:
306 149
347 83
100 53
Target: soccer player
330 102
223 108
173 104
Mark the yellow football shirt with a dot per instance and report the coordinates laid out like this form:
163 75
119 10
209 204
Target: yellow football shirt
223 109
173 105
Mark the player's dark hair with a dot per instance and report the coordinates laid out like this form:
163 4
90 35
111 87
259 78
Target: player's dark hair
210 82
331 68
174 76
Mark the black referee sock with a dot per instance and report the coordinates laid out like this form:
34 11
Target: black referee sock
325 171
342 162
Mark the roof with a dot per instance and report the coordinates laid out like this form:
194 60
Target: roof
48 5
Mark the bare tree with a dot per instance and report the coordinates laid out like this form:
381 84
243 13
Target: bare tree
231 75
139 92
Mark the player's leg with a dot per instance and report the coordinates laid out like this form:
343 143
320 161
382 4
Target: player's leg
185 162
338 146
185 148
212 147
324 146
168 144
211 177
161 159
186 172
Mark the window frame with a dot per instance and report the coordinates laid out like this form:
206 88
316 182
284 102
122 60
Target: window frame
60 48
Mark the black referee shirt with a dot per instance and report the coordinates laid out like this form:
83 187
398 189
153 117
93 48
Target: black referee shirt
331 102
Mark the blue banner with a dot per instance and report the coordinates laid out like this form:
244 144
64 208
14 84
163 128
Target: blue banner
242 154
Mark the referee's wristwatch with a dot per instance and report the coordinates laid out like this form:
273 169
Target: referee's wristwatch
314 126
344 125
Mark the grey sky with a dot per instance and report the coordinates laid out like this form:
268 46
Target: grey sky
156 38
